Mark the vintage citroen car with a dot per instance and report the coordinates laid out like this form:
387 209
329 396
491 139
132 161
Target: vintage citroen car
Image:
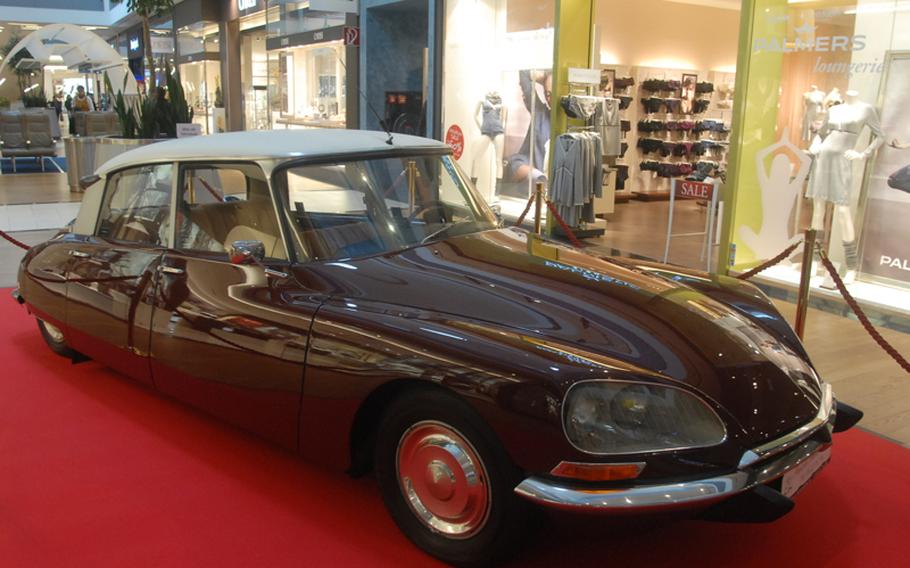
352 298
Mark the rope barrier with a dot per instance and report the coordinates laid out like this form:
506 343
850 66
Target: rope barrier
17 243
860 315
565 228
524 213
784 254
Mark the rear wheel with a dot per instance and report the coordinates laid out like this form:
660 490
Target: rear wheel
446 481
54 338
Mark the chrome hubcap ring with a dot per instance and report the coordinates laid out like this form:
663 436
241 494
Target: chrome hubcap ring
443 479
53 331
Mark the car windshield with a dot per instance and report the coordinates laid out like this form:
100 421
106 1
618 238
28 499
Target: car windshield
349 209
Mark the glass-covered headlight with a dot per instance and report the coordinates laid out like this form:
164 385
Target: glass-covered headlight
620 417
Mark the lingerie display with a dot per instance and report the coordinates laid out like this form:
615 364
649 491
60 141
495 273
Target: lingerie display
832 173
624 101
700 105
660 85
667 169
577 176
704 169
623 83
601 113
704 88
491 117
622 174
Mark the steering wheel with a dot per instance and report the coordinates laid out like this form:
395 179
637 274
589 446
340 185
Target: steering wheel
432 205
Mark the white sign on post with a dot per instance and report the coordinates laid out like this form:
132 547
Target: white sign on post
582 76
187 129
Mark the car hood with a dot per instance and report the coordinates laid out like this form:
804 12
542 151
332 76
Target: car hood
508 279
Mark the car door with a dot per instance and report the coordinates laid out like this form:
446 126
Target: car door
229 338
112 270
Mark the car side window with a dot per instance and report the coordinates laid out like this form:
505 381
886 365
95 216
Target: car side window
136 206
220 204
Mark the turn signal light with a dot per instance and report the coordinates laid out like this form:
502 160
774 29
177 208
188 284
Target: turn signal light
598 471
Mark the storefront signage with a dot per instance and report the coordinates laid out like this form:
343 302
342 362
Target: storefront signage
335 33
351 35
134 44
246 4
187 129
350 6
455 140
584 76
694 190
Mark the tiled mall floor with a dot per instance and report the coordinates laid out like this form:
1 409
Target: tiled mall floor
37 216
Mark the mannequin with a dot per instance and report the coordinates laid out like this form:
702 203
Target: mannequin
833 98
490 117
813 101
832 175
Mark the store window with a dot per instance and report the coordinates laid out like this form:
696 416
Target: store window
826 142
200 72
254 72
307 66
497 83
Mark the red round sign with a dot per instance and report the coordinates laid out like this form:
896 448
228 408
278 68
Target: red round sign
455 139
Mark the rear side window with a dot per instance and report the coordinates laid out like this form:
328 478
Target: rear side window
136 206
220 204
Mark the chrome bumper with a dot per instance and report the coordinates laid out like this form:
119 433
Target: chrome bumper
756 468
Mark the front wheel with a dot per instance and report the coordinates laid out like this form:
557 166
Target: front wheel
54 338
446 481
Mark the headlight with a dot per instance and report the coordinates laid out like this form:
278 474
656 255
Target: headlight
620 417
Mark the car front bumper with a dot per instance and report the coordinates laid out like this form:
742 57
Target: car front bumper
758 466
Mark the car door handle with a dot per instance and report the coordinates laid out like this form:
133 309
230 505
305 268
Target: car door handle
78 253
170 270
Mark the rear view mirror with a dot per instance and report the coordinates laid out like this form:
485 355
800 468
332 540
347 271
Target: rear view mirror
247 252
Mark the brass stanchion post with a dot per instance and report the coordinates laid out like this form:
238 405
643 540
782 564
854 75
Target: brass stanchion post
538 203
802 299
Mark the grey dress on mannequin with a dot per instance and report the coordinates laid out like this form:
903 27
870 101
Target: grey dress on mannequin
832 174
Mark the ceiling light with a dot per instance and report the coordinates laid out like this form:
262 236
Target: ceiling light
27 89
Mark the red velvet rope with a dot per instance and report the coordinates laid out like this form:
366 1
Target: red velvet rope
565 228
19 244
861 316
524 213
786 252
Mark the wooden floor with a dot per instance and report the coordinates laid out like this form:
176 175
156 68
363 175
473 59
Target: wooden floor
861 373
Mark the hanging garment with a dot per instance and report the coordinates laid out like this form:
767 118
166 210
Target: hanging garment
577 176
607 122
900 179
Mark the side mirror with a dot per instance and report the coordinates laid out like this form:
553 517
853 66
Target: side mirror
247 252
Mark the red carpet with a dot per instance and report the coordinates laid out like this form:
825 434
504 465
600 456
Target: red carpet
98 471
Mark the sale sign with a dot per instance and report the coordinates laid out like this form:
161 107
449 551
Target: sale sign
694 190
455 139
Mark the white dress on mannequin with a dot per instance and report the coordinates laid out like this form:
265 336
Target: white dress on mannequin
832 175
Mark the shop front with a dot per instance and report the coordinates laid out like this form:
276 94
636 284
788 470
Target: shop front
653 97
823 141
198 61
312 66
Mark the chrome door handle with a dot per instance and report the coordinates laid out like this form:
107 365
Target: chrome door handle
78 253
170 270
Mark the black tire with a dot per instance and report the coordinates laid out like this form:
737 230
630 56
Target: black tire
55 340
491 540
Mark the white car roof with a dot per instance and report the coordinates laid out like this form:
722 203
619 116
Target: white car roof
267 145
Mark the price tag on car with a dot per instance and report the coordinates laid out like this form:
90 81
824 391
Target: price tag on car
799 476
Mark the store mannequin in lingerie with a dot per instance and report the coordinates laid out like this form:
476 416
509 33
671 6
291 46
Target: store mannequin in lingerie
490 116
813 112
832 175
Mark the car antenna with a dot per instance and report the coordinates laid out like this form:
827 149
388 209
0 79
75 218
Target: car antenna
369 106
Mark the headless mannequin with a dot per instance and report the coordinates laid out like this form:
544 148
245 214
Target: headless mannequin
490 117
813 101
842 122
